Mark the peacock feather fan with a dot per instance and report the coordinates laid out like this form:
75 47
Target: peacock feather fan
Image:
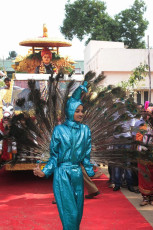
33 132
107 109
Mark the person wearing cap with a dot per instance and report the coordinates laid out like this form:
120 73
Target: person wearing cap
70 146
45 67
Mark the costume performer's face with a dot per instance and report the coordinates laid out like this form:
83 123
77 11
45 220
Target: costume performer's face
78 115
46 59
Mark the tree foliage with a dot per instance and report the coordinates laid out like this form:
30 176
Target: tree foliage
12 55
138 75
89 19
132 25
84 18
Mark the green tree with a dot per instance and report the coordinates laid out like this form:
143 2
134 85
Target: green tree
138 75
88 19
132 25
12 55
85 18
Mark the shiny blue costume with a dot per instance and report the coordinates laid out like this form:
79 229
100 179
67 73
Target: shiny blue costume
70 146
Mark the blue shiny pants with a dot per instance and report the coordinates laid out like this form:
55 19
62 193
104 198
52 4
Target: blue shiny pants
69 194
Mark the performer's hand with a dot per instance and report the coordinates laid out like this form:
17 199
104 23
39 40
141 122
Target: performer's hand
37 172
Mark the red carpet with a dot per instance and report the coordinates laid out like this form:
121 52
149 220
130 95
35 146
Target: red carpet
25 204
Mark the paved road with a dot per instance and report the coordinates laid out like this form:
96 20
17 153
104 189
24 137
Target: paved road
135 199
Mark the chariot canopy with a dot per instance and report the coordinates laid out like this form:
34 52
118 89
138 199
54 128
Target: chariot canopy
45 41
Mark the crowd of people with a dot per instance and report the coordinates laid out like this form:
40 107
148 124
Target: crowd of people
145 169
140 181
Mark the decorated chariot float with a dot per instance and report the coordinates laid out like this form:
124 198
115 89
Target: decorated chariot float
24 72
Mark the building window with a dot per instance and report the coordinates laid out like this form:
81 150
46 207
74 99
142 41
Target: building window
145 96
78 71
139 98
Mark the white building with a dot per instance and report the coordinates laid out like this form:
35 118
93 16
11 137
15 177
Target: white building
118 63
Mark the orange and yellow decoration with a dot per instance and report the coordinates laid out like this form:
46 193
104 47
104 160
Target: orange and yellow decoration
28 63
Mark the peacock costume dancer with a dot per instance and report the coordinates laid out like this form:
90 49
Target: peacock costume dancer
70 146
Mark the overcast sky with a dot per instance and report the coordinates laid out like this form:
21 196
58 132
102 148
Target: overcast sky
20 20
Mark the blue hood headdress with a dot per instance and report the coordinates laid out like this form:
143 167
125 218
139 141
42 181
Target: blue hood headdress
75 101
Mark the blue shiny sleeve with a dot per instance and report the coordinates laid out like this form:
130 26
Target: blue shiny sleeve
86 162
54 148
